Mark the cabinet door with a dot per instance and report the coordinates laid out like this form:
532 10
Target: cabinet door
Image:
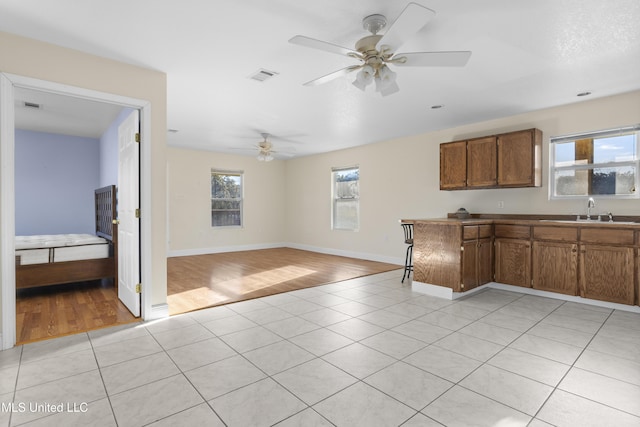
481 162
606 273
513 262
519 159
453 165
485 261
469 265
555 267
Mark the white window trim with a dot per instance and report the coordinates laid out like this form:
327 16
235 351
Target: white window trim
228 172
594 135
334 199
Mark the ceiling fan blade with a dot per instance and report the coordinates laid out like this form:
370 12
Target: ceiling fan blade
285 155
432 59
410 21
320 45
332 76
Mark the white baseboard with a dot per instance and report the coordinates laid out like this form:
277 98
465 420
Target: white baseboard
222 249
563 297
447 293
158 311
432 290
351 254
441 291
329 251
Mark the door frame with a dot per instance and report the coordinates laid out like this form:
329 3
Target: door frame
8 82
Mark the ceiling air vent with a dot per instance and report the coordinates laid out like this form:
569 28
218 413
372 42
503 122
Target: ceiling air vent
32 105
262 75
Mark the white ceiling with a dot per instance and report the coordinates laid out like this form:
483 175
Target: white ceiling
54 113
527 55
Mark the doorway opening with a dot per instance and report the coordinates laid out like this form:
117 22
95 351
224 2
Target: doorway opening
10 87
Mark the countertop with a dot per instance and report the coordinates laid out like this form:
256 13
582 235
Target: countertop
528 220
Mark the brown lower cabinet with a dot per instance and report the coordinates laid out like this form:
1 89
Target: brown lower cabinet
451 255
606 273
477 263
513 260
601 263
555 267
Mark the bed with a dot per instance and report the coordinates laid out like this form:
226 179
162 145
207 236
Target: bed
56 259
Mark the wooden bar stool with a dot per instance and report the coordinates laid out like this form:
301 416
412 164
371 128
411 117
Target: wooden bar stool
407 227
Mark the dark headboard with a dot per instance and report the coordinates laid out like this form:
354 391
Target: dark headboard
105 211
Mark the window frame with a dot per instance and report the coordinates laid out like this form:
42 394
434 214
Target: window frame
223 172
336 200
553 168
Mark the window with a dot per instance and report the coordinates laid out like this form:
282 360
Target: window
346 198
603 163
226 199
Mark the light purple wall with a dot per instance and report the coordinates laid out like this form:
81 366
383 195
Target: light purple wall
55 179
109 151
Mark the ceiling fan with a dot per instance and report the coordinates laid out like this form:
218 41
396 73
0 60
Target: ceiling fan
376 52
266 151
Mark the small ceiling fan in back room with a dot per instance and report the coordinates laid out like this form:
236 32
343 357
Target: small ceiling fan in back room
266 152
376 52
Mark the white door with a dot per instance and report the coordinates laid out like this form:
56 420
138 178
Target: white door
128 217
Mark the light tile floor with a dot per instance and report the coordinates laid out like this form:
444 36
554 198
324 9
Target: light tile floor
363 352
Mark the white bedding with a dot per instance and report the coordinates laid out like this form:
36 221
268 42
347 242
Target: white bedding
60 247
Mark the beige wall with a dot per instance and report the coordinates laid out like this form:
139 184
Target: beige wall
34 59
400 179
190 231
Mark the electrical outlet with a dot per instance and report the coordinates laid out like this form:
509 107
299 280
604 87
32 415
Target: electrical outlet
501 204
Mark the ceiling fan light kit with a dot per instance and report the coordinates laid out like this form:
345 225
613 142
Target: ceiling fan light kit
375 52
265 153
264 157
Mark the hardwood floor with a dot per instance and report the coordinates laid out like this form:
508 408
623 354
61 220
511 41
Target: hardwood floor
199 281
55 311
193 282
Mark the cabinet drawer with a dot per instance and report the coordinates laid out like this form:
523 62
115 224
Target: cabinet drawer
513 231
472 232
607 236
558 234
485 231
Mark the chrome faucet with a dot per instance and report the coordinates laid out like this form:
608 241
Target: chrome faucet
590 205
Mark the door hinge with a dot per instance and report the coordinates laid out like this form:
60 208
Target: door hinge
138 288
137 213
461 248
138 137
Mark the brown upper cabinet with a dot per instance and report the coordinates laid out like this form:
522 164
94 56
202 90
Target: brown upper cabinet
507 160
453 165
519 158
481 162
